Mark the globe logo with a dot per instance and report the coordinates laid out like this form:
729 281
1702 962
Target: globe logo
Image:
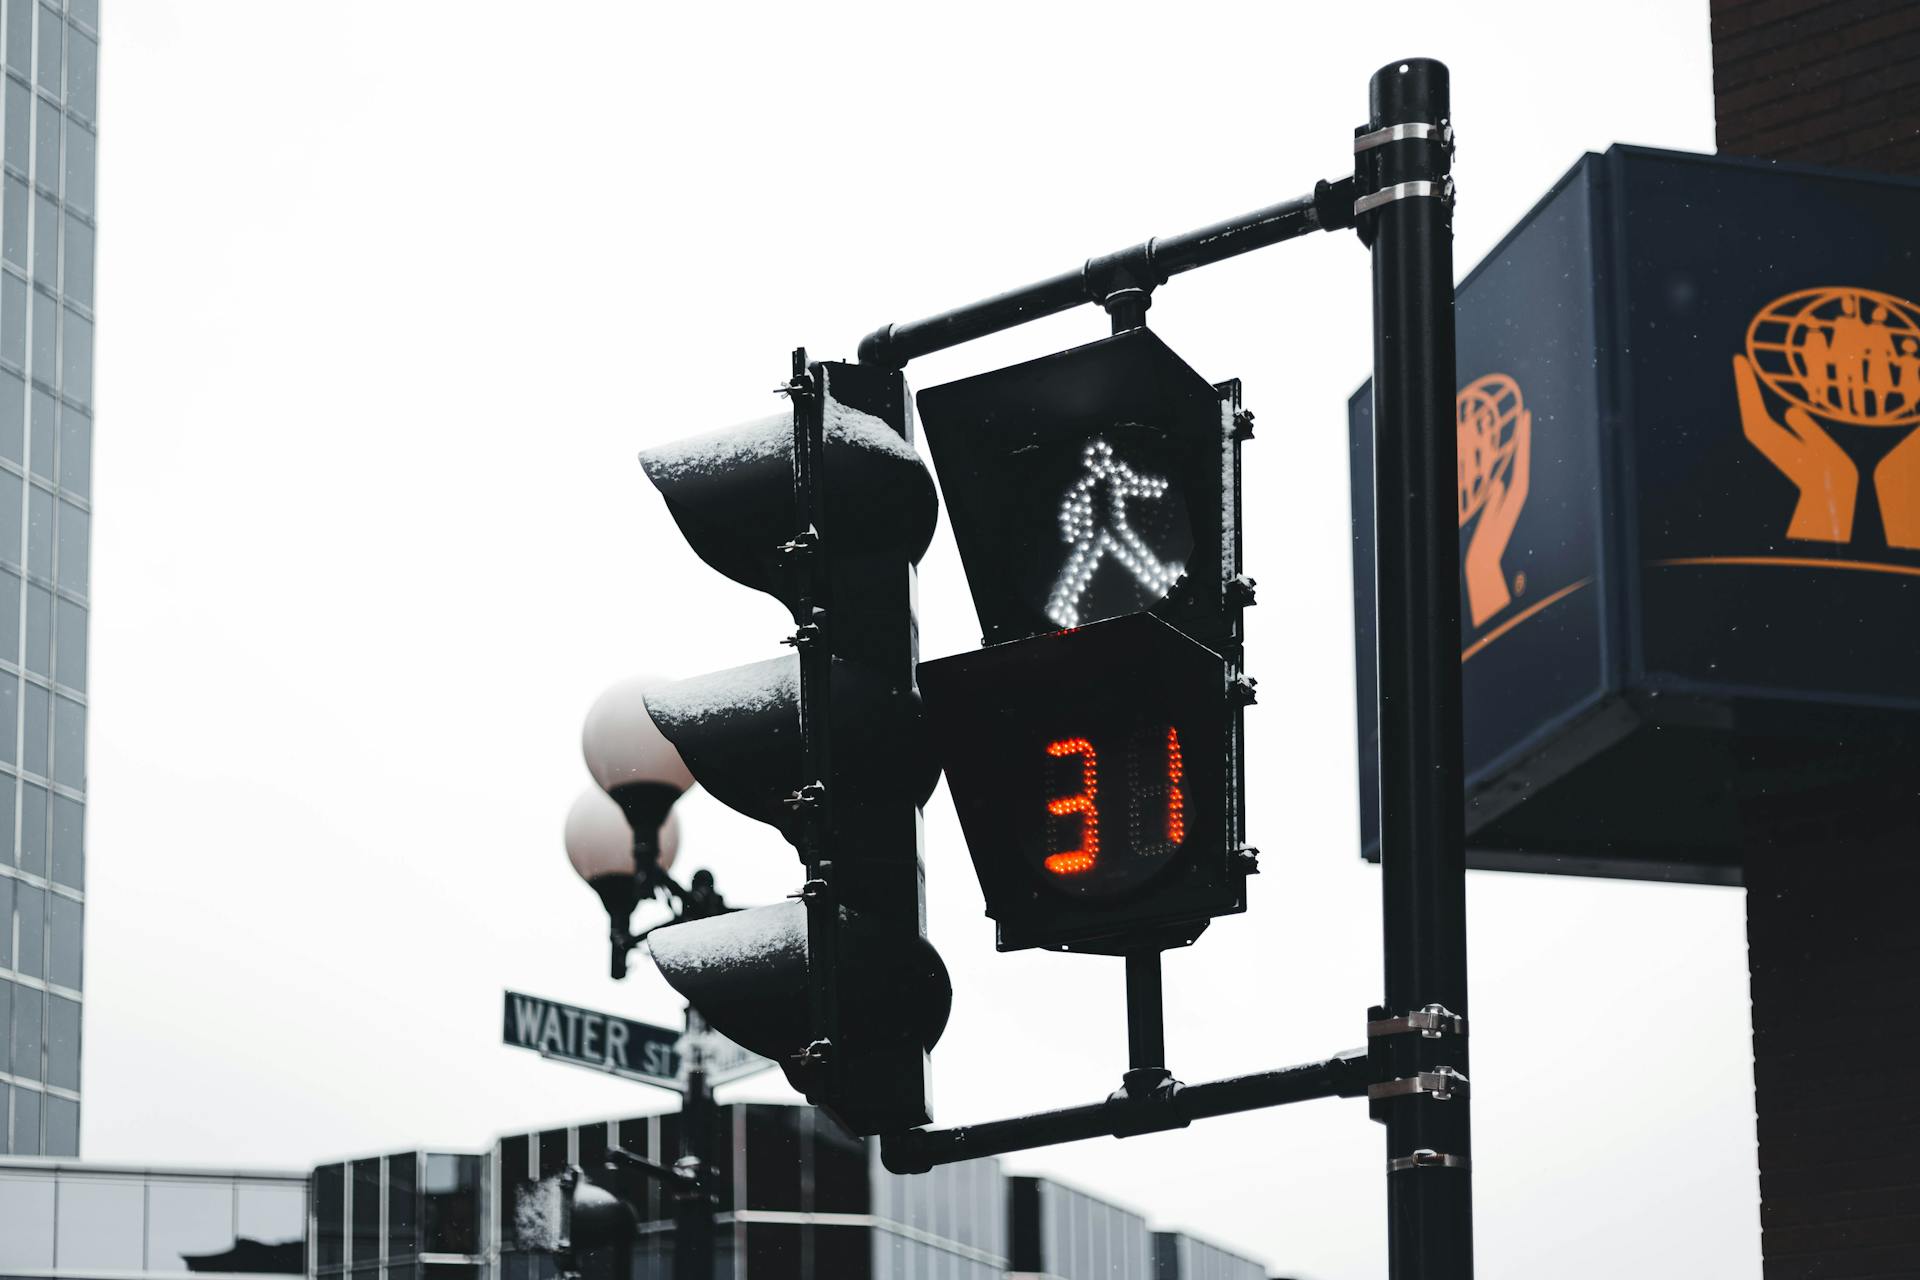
1495 446
1849 355
1838 358
1488 410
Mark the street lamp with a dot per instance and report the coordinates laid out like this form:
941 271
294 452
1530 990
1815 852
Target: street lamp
639 769
604 851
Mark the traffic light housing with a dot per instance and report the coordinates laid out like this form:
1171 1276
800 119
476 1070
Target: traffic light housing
1093 748
827 508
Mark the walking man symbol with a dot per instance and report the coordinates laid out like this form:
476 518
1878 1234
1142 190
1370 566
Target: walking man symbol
1093 519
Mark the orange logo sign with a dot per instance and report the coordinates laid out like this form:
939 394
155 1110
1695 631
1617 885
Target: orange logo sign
1495 458
1836 355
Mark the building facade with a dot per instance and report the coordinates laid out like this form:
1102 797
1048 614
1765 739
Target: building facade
61 1220
797 1199
48 121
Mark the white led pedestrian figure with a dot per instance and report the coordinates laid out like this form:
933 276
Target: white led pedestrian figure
1097 527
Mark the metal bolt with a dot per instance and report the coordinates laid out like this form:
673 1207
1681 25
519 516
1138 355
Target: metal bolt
1240 591
1243 424
1241 690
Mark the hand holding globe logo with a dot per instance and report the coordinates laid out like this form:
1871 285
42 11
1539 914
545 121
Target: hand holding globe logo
1495 446
1852 357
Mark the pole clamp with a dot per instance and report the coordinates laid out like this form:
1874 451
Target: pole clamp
1432 1022
1443 1083
1440 133
1427 1158
1422 189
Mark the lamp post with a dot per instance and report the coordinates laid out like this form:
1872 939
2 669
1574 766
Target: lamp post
642 776
605 853
622 839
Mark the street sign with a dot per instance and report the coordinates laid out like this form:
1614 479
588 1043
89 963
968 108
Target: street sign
586 1038
623 1047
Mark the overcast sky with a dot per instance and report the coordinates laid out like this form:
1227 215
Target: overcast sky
390 295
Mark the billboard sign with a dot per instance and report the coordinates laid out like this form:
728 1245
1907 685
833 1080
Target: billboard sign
1688 426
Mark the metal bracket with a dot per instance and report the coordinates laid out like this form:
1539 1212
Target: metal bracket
1440 133
806 797
1432 1022
1442 191
1443 1083
1427 1158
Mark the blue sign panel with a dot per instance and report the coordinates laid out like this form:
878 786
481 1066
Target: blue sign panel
1688 427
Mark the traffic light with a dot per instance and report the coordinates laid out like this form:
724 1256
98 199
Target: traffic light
828 508
1093 748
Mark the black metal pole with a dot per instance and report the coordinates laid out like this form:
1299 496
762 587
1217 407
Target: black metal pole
693 1204
1407 194
1128 277
917 1150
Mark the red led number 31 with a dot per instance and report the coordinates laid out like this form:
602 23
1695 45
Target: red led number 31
1086 803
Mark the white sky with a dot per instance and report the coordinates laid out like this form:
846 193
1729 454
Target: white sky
390 295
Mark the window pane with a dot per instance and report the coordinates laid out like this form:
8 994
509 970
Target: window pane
7 989
99 1224
30 937
35 728
9 712
63 947
51 29
63 1042
27 1002
329 1215
46 339
40 533
69 639
13 417
43 423
73 548
6 944
83 61
76 359
46 243
9 615
39 630
63 1127
26 1121
33 828
402 1186
26 1223
79 167
69 743
13 237
273 1215
69 860
19 106
46 144
452 1204
76 447
11 496
366 1211
20 38
79 285
188 1223
13 320
87 11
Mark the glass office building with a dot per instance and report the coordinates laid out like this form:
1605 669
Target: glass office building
66 1221
47 118
796 1199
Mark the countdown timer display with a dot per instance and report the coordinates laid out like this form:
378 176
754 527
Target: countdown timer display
1095 772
